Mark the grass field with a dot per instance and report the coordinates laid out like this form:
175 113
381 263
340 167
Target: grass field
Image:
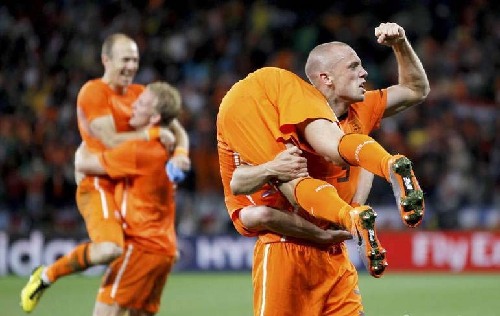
224 294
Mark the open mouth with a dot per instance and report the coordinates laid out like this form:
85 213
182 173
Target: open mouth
362 86
127 74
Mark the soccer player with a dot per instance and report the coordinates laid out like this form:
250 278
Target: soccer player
135 280
333 68
103 109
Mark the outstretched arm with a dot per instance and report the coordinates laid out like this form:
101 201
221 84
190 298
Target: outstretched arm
104 129
413 85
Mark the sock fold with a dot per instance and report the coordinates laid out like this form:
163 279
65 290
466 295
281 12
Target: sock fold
75 261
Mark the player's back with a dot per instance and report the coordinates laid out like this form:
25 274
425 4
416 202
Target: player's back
249 113
263 109
147 196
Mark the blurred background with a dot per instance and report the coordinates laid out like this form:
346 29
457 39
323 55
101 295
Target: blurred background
50 48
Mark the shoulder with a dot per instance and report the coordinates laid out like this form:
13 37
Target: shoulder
93 87
374 99
93 84
144 147
376 96
270 72
152 152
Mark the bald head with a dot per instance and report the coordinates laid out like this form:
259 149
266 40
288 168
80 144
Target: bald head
323 57
120 57
109 42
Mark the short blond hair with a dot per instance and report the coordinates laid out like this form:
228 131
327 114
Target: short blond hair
169 101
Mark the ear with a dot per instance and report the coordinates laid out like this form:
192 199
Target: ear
325 78
155 119
104 59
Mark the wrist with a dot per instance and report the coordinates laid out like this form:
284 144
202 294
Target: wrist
180 151
401 44
268 171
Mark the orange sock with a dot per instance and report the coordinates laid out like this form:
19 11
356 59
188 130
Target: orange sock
321 200
75 261
362 150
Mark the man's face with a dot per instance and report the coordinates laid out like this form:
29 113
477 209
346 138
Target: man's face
123 63
349 77
143 109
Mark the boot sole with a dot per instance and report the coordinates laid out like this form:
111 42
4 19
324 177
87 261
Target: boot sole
376 256
412 204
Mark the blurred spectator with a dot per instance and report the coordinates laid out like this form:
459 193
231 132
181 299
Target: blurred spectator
51 47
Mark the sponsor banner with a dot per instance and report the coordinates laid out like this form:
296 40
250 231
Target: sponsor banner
406 251
215 253
20 254
464 251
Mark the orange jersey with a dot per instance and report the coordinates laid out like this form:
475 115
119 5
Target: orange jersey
257 116
147 197
97 99
362 118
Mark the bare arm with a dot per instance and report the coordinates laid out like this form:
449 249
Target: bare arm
286 166
181 136
259 218
413 85
180 157
324 137
363 187
104 129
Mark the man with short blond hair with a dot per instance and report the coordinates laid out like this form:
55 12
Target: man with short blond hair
134 281
103 110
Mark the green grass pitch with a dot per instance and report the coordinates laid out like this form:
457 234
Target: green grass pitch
221 294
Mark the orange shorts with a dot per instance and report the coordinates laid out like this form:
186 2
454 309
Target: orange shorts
97 205
294 279
136 280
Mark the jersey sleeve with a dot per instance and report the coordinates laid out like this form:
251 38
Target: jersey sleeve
92 101
121 161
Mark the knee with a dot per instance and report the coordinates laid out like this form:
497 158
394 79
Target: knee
255 217
105 252
264 215
102 309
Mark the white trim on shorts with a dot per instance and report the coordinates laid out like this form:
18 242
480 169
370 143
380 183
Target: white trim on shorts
264 279
104 202
121 271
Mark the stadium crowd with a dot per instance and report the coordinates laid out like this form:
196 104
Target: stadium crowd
50 48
